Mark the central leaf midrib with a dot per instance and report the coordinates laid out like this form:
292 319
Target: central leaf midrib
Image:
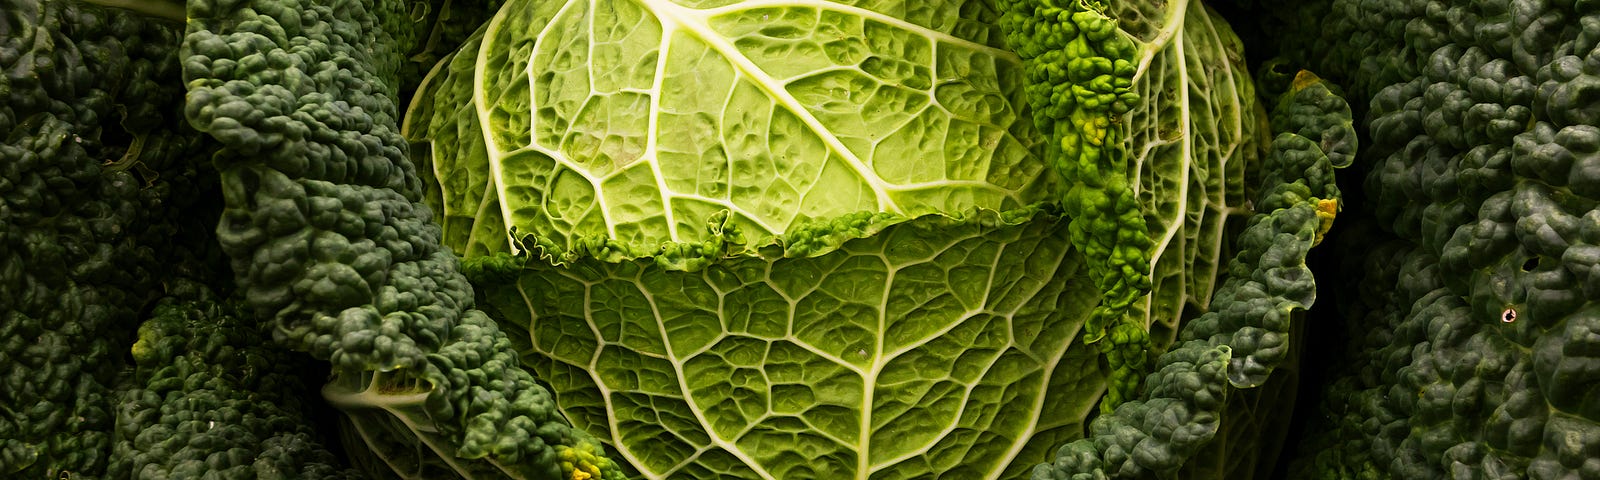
674 17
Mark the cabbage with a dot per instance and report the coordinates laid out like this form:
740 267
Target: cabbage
814 239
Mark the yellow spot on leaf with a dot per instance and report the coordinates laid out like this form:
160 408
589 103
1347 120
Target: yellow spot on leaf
1302 80
1326 210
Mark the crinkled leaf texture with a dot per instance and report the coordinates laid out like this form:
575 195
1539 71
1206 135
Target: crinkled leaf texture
938 346
1190 139
641 121
331 244
809 239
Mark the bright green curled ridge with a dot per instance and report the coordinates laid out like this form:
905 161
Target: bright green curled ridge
1151 121
1080 71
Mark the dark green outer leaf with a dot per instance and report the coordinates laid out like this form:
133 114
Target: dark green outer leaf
1474 338
330 243
90 155
209 399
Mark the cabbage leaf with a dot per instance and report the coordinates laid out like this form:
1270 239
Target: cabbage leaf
816 239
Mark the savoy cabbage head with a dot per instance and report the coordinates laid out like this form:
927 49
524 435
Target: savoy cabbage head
840 239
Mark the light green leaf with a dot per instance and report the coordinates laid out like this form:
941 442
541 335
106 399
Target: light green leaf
939 346
1190 140
641 121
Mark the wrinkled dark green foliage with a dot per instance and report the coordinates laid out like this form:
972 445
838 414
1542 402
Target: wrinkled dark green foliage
93 173
1473 337
209 398
108 201
331 244
438 28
